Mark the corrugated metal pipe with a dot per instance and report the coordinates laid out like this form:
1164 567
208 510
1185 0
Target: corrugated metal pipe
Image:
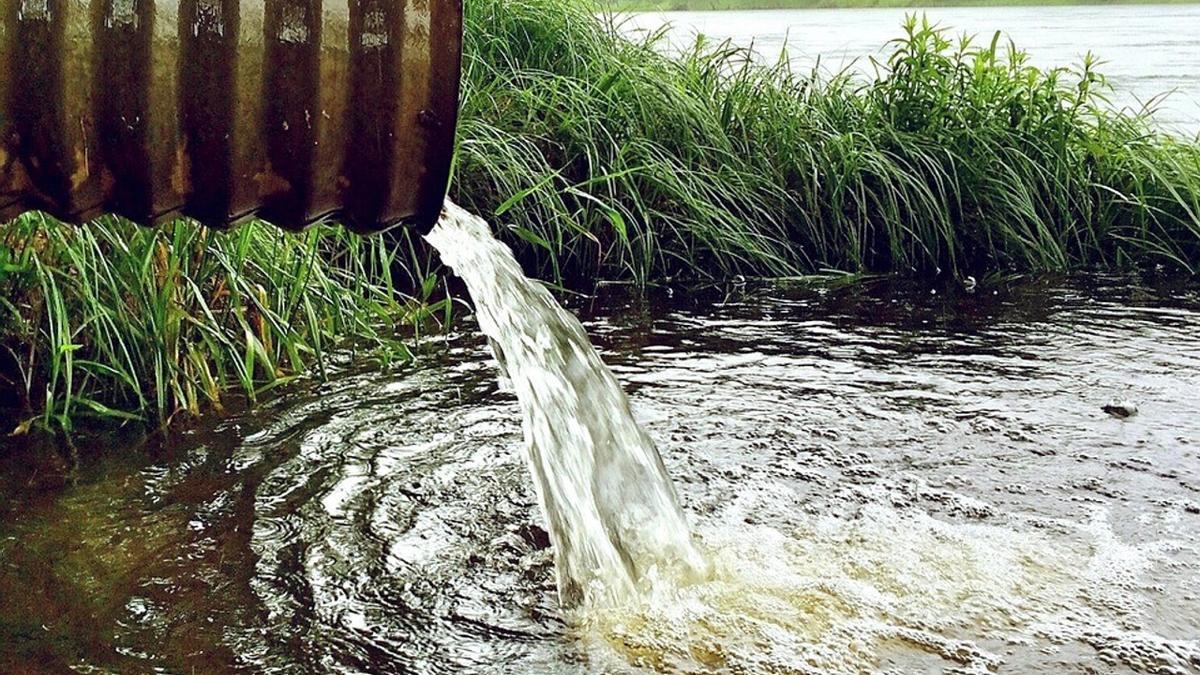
287 110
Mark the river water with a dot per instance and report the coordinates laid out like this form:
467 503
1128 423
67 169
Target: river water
885 476
1148 50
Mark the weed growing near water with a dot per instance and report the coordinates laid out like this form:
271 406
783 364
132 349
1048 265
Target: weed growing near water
609 159
127 322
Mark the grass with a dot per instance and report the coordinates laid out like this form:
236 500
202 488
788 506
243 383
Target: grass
607 159
601 158
709 5
117 321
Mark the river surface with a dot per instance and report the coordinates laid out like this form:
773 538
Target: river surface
1148 50
886 478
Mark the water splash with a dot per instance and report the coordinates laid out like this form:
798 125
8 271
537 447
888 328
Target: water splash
880 586
893 590
612 514
881 481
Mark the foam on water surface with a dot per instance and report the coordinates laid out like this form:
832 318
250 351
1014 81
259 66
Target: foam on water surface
876 479
872 588
879 589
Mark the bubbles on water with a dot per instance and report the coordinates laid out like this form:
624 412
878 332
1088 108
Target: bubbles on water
889 588
882 584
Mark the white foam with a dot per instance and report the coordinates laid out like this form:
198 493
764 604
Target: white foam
848 594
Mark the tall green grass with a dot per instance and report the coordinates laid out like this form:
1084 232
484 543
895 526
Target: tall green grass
124 322
608 159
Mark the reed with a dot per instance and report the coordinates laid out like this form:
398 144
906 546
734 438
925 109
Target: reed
607 158
714 5
124 322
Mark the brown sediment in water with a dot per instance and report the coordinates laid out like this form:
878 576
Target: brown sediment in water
86 550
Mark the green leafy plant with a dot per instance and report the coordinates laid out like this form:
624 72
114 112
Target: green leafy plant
608 158
135 323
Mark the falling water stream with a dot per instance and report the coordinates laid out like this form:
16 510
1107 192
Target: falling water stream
612 513
885 476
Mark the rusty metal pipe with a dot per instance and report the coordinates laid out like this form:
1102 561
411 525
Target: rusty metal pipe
287 110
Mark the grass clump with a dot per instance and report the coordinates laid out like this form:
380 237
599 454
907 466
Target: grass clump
609 159
126 322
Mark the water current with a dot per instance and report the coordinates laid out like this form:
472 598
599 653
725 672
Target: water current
608 503
881 476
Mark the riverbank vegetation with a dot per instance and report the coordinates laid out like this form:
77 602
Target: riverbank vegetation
601 158
123 322
610 159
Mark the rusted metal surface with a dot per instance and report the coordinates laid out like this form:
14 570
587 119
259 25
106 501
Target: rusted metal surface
222 110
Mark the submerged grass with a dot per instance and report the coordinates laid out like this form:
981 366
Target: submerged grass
125 322
608 158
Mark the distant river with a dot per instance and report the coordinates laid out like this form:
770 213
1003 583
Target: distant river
1148 49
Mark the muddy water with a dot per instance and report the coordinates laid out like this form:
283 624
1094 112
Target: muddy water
884 477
